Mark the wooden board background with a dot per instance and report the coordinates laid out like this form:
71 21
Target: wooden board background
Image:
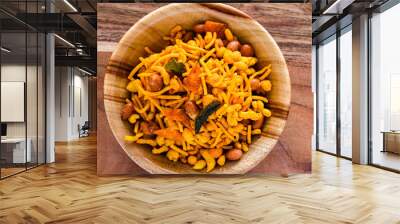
290 26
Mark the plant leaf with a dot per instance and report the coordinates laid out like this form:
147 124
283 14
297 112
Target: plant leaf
204 114
175 67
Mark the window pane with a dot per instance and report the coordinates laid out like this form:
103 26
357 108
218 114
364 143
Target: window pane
32 88
31 98
41 98
13 85
327 96
346 94
385 85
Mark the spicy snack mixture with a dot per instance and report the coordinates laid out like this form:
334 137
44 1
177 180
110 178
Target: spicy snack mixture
199 101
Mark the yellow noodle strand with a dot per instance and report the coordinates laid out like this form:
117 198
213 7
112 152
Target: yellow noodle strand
264 99
133 72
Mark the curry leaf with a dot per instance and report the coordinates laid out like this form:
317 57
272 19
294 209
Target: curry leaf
204 114
175 67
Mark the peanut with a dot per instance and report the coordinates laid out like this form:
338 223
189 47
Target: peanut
234 154
191 109
199 28
211 26
127 111
258 123
154 82
246 50
233 45
255 84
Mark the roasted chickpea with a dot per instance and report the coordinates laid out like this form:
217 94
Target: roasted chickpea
238 145
246 50
199 28
173 155
233 45
255 84
154 82
192 160
266 85
191 109
127 111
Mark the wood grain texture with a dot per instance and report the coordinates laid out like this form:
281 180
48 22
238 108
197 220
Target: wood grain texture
70 191
111 160
289 24
149 31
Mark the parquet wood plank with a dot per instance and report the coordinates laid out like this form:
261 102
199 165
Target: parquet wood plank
69 191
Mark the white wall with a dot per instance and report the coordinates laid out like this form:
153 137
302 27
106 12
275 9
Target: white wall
10 73
61 114
32 127
80 110
70 84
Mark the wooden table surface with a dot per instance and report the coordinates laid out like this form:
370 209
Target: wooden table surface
290 26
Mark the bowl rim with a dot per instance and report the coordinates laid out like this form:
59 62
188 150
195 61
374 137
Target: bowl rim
156 169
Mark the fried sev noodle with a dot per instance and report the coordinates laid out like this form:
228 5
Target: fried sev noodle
212 73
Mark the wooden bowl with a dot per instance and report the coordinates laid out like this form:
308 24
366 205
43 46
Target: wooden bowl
149 32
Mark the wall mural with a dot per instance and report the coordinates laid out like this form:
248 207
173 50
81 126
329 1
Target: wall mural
226 90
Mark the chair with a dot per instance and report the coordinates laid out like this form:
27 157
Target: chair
84 130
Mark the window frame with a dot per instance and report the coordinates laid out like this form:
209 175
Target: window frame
381 9
337 35
29 29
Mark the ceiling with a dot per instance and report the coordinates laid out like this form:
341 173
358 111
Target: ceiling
74 22
332 15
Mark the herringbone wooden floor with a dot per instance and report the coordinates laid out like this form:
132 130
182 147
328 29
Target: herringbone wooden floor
70 192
